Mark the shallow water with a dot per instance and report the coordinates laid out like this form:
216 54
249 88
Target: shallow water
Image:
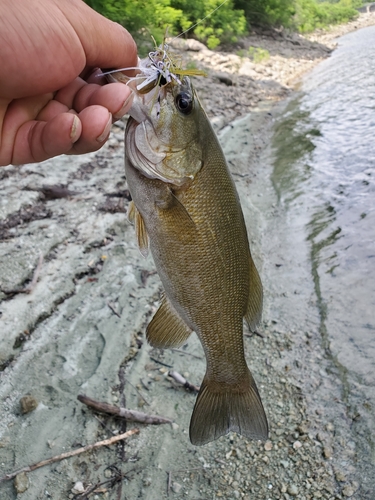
324 175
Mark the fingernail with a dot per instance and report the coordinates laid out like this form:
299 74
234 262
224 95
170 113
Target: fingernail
103 136
124 108
74 131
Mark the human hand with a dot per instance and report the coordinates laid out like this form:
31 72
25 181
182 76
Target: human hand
52 101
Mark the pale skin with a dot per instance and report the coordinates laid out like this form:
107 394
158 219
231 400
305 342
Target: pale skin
52 100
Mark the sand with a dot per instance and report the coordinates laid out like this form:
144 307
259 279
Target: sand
81 329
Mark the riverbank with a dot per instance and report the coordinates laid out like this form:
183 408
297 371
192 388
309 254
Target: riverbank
82 327
263 67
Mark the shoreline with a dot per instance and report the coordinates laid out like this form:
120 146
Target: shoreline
64 339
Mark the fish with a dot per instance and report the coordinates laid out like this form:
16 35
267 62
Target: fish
187 212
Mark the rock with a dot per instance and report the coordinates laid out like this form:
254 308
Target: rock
268 446
21 482
327 452
340 476
78 488
224 78
194 45
348 491
292 490
297 445
176 487
28 404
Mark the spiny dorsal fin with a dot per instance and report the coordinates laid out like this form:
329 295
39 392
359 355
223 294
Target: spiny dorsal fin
221 408
167 329
255 303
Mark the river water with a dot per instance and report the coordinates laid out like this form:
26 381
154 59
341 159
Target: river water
324 176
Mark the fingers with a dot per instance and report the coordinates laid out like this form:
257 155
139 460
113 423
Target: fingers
37 141
116 97
35 129
96 125
65 133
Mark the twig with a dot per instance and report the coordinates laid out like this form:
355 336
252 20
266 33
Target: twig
138 392
161 362
57 458
254 333
187 353
113 309
30 287
133 415
182 380
169 482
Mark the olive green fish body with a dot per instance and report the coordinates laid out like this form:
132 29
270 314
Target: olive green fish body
199 243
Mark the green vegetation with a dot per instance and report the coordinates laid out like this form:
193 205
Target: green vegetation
233 19
311 15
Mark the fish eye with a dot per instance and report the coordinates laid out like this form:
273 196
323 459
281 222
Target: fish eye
184 103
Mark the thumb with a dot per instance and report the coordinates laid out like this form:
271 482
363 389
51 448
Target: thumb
106 44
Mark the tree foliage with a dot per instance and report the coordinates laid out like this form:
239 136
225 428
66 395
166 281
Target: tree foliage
144 18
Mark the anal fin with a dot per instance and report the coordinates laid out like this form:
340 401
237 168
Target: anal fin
166 328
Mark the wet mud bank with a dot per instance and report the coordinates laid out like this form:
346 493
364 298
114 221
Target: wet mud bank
76 296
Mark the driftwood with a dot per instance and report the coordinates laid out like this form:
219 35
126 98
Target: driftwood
69 454
131 415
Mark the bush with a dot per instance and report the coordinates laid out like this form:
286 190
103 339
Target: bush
311 15
267 12
144 18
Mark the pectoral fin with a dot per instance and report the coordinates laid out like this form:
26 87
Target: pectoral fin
255 302
167 329
140 229
131 212
175 211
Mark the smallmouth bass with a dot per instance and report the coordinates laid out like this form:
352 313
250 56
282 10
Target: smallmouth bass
186 210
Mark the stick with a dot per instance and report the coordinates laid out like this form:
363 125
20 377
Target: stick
113 310
132 415
187 353
161 362
139 393
69 454
182 380
169 482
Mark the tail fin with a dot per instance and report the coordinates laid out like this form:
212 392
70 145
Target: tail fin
221 408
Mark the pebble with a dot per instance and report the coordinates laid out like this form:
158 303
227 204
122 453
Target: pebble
268 446
21 482
327 452
78 488
297 445
28 404
348 491
176 487
340 476
292 490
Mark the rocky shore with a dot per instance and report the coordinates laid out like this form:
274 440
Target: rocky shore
76 296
